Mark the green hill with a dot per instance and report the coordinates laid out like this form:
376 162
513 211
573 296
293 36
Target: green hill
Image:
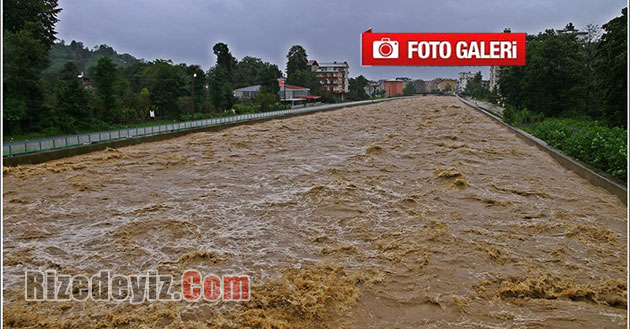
83 57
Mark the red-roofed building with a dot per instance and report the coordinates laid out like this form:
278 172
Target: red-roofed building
294 94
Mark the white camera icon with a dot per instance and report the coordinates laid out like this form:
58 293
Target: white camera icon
385 48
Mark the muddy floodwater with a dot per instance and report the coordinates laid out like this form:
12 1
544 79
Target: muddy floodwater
412 213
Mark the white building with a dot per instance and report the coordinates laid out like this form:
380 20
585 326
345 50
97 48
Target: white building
246 92
286 93
462 81
494 77
570 29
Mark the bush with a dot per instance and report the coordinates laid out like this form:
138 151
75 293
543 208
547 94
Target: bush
601 147
245 108
513 116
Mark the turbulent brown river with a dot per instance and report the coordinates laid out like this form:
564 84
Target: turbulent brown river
411 213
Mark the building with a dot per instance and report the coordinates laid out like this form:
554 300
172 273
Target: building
312 65
447 86
462 81
334 76
420 86
393 87
494 77
432 86
372 88
570 29
246 92
87 82
494 70
287 93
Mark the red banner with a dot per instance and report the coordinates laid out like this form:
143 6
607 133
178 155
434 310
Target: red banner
442 49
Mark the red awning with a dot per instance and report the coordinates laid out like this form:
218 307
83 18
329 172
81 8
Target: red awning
308 97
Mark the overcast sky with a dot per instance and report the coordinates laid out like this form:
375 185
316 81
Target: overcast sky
185 30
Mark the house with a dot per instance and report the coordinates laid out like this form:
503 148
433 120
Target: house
87 82
334 76
246 92
393 87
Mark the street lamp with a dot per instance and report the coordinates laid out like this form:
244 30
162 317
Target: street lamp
193 95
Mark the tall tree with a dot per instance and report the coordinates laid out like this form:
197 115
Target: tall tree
166 85
220 88
198 79
357 88
105 75
41 13
225 58
612 69
253 71
25 57
296 60
28 34
73 106
588 57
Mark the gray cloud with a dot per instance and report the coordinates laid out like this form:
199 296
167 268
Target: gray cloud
185 30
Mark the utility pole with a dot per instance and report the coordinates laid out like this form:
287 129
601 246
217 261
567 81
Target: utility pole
193 95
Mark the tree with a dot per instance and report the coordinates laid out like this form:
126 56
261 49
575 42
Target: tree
225 58
307 79
409 89
296 60
268 76
611 70
550 82
194 72
588 57
73 106
220 88
475 89
356 88
41 15
166 85
105 75
253 71
25 57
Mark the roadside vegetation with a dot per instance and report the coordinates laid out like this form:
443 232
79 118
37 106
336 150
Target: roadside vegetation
571 94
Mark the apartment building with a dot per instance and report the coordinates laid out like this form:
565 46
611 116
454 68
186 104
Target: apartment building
334 76
462 81
494 77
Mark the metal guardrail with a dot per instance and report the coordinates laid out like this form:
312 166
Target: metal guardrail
60 142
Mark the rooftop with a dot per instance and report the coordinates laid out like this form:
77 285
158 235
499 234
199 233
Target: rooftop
334 64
